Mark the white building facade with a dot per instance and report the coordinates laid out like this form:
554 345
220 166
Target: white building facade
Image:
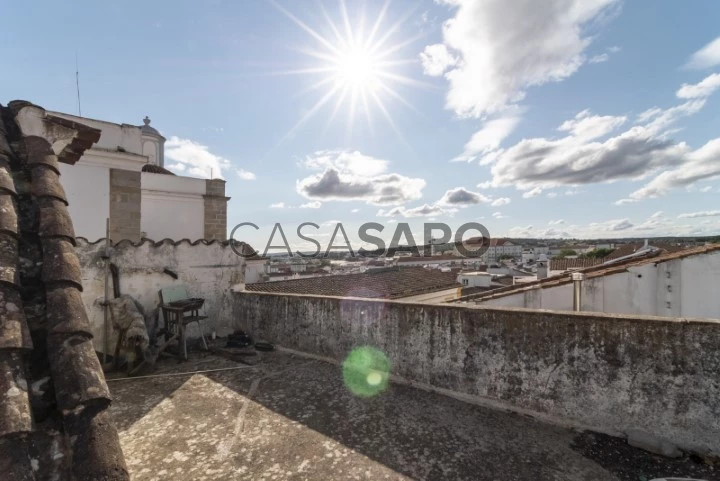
122 178
679 285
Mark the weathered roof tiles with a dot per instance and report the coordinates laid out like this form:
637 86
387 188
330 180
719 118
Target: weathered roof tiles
60 428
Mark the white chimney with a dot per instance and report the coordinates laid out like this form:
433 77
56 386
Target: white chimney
542 266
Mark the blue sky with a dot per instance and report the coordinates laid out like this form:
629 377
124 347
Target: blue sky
583 118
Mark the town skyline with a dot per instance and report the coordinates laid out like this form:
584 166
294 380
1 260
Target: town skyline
371 111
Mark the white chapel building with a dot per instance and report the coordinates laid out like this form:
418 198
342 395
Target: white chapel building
123 178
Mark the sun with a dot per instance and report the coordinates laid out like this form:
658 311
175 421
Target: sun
358 69
354 67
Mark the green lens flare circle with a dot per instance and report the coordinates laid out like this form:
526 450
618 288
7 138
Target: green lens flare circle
366 371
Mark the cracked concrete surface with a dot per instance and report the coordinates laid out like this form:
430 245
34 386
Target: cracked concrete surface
290 418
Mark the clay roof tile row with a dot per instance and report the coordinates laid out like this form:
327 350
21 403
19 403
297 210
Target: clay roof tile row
391 283
40 284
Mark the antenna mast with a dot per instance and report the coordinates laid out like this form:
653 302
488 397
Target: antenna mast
77 83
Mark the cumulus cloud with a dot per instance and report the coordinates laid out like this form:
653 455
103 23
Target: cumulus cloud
706 57
695 215
348 176
460 196
592 151
245 175
701 164
498 215
500 201
603 57
194 159
311 205
493 50
436 59
425 210
657 225
351 162
488 138
702 89
532 193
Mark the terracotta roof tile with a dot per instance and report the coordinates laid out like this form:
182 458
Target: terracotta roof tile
558 264
46 183
60 263
55 220
76 371
15 414
42 154
14 333
391 283
156 169
9 260
7 185
66 311
72 437
8 214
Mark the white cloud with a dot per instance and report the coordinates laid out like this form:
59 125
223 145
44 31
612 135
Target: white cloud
425 210
589 127
498 215
583 157
656 225
355 211
702 89
462 197
349 176
278 205
311 205
346 161
552 195
532 193
706 57
556 222
500 201
694 215
603 57
436 59
507 46
701 164
488 138
196 160
657 215
245 175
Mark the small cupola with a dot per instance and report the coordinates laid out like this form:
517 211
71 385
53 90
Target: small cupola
153 143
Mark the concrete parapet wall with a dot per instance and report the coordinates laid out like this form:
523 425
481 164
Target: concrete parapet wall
610 373
207 270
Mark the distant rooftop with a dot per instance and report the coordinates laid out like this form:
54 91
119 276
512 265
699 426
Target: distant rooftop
390 283
656 257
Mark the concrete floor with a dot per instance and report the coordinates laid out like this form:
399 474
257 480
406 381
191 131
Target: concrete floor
290 418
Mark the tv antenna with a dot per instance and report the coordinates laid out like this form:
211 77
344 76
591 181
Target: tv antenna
77 83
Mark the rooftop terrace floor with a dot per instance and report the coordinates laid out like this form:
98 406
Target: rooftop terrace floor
292 418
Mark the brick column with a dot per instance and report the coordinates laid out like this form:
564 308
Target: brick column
125 198
215 210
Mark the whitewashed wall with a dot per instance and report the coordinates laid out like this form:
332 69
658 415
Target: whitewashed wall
685 287
172 207
207 270
87 188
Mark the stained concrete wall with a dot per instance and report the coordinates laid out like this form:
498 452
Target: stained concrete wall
206 270
610 373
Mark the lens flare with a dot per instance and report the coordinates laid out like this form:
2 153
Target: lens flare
366 371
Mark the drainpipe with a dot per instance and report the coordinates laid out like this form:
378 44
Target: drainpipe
578 278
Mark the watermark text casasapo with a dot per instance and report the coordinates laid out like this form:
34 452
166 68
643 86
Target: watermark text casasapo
368 233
